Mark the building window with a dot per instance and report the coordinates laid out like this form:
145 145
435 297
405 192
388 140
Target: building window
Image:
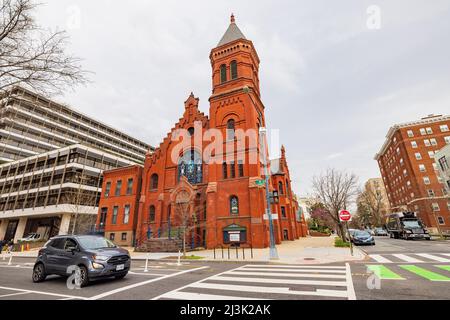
285 234
427 142
190 166
435 206
283 212
431 193
447 140
191 131
224 170
422 168
118 187
422 131
429 130
414 144
126 214
441 220
112 236
223 73
107 189
233 69
234 205
433 142
431 154
241 168
151 214
124 236
418 156
443 163
280 187
154 182
444 128
287 189
230 129
410 133
103 216
232 170
130 186
426 180
114 216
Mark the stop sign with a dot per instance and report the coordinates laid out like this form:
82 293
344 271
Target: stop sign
344 215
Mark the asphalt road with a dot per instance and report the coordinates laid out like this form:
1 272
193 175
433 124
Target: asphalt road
393 269
417 269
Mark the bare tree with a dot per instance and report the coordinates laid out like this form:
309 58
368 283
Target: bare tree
31 56
335 190
370 203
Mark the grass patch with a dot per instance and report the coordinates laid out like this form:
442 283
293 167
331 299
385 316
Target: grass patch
192 257
339 243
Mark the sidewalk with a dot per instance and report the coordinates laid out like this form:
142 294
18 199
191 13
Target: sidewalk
310 250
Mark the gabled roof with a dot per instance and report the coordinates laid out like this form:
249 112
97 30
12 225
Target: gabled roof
233 33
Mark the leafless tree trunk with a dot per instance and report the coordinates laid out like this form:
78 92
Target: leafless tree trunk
32 57
335 190
371 203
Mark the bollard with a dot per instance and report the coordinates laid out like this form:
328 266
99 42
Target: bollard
10 259
214 253
21 248
222 251
243 253
179 258
146 264
228 253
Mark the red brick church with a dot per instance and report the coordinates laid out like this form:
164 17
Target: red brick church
213 193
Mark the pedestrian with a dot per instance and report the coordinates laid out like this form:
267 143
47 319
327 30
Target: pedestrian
10 245
2 244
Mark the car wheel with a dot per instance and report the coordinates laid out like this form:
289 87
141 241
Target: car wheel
84 277
121 276
38 273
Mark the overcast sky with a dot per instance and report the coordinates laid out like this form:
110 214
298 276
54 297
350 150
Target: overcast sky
332 85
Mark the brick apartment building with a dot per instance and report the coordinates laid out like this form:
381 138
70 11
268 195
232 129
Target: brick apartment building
226 200
410 173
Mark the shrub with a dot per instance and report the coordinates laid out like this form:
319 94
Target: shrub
339 243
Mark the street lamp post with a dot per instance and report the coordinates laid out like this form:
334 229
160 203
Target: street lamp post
273 249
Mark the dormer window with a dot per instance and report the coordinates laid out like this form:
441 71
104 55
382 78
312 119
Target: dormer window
233 69
223 73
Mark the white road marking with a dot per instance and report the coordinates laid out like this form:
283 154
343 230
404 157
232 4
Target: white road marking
406 258
288 281
296 270
293 275
433 257
180 295
15 267
294 266
13 294
446 254
146 273
282 290
379 258
350 289
131 286
44 293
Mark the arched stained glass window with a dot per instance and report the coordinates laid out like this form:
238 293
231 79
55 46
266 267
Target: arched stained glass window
233 69
190 166
234 205
223 73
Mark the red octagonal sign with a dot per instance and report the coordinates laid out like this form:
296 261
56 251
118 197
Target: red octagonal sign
344 215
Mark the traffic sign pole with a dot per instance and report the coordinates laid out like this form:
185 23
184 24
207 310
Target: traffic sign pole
345 216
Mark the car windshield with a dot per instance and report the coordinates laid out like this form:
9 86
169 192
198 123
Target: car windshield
411 223
362 234
95 243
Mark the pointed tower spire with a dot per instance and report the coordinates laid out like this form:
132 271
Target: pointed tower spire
232 18
233 33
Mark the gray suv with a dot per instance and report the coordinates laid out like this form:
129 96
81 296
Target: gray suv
95 256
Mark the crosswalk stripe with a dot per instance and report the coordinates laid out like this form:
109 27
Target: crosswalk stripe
379 258
295 266
284 281
446 254
293 275
433 257
282 290
296 270
424 273
446 268
406 258
182 295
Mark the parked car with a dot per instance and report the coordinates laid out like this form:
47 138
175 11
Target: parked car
362 237
97 257
380 232
31 237
351 232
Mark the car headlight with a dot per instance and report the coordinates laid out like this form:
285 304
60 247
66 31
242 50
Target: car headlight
408 231
101 258
97 265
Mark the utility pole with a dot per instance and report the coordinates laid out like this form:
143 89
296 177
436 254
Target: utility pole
263 139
